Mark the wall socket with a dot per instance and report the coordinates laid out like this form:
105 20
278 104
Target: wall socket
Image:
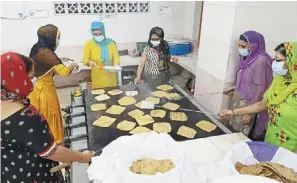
38 14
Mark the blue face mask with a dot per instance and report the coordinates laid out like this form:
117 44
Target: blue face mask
33 80
277 67
99 38
243 52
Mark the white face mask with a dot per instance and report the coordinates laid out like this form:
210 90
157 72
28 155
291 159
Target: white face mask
277 67
155 43
33 80
99 38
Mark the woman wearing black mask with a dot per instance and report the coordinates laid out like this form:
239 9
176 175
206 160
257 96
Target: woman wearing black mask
155 59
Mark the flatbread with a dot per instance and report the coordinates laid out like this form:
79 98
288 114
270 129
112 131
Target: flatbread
102 97
159 94
171 106
98 92
172 96
126 125
144 120
165 87
136 113
127 101
178 116
158 113
206 126
115 92
162 127
139 104
104 121
115 109
186 132
98 107
140 129
153 100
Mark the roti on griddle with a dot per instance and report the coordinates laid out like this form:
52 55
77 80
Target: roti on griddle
206 126
144 120
186 132
115 109
165 87
127 101
126 125
158 113
98 107
153 100
162 127
104 121
98 92
115 92
159 94
136 113
140 129
102 97
178 116
171 106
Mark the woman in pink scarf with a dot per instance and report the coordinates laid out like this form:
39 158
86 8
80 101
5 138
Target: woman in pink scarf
254 76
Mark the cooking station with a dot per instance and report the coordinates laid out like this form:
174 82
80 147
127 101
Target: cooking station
96 138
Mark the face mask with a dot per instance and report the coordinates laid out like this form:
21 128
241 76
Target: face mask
277 67
243 52
155 43
33 80
99 38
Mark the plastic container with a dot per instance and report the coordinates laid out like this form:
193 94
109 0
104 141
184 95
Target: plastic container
180 49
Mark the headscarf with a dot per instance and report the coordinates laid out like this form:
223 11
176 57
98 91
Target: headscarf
15 82
43 51
163 46
283 86
103 44
257 49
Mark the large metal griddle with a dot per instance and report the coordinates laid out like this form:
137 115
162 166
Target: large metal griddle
100 137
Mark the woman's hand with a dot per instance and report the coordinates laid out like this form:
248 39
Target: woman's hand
229 91
246 119
226 114
138 80
87 156
74 64
92 64
174 59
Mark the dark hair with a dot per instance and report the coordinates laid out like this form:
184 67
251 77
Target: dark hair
243 38
282 49
28 62
164 47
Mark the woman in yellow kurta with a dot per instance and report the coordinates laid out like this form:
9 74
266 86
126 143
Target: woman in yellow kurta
99 52
47 64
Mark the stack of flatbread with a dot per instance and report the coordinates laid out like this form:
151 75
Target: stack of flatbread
149 166
271 170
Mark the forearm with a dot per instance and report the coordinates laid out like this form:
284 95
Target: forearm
71 68
139 70
66 155
254 108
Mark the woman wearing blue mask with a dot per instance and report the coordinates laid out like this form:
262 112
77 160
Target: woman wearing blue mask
155 58
254 76
99 52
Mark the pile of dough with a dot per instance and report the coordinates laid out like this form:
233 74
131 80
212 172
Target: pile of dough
171 106
165 87
98 92
186 132
127 101
144 120
140 129
104 121
102 97
149 166
126 125
206 126
158 113
98 107
178 116
162 127
115 92
115 109
153 100
136 113
159 94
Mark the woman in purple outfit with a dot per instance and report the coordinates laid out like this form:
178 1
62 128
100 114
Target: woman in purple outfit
254 76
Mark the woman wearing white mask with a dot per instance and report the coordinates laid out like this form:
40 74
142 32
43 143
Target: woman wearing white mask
155 58
99 52
280 100
254 76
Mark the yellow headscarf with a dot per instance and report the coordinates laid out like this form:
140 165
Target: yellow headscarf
284 86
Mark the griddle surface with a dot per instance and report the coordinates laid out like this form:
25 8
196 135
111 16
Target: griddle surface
100 137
